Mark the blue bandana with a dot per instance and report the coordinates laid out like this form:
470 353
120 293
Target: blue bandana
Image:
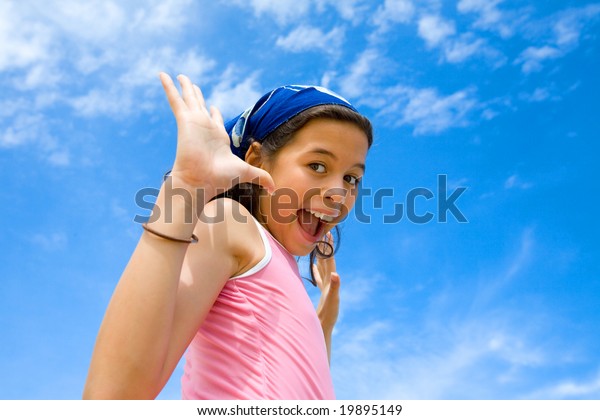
274 109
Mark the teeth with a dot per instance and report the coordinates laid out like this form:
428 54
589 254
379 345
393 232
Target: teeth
322 216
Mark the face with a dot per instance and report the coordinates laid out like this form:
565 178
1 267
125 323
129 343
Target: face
316 175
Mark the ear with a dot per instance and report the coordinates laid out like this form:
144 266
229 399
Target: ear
254 154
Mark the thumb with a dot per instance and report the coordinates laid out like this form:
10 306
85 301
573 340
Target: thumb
334 282
258 176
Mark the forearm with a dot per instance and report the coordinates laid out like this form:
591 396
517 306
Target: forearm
132 343
327 333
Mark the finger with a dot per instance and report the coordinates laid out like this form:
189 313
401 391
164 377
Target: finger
333 291
216 116
200 97
334 282
187 91
317 276
326 246
257 176
175 101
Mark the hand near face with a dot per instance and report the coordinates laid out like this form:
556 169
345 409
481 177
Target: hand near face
328 282
204 158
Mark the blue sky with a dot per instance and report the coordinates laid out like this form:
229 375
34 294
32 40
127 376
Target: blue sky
498 95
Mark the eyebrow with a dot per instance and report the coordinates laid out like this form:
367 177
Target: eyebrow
334 157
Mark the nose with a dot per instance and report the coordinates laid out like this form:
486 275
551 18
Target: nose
336 196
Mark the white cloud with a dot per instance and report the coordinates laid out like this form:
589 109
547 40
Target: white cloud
570 389
460 50
467 46
232 96
111 102
493 283
438 32
50 241
96 22
393 11
161 16
566 29
426 110
515 182
489 15
283 11
310 38
538 95
356 82
570 24
59 158
22 44
532 58
145 68
24 128
351 10
443 356
473 345
96 57
434 29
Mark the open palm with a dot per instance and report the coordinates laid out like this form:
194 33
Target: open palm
204 158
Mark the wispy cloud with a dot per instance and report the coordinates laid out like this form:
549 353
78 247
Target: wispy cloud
232 95
393 11
515 182
22 45
350 10
435 29
467 45
455 342
310 38
571 388
564 31
56 61
490 16
358 79
533 58
438 32
427 110
50 241
282 11
538 95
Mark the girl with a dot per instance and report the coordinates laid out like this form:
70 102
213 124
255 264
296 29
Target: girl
234 296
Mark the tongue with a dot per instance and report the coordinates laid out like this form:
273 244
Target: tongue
309 222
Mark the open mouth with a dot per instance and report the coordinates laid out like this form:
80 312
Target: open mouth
313 223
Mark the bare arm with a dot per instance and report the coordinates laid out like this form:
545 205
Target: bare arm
328 282
151 318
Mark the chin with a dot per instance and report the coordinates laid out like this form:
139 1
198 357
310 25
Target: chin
299 252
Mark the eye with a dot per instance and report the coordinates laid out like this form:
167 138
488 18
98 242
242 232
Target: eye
352 180
317 167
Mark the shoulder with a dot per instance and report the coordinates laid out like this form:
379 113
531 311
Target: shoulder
230 226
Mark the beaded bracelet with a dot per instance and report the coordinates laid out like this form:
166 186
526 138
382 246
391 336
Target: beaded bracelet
192 240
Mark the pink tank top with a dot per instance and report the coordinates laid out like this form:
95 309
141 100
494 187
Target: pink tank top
261 339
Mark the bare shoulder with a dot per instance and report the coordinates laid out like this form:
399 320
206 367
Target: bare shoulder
229 226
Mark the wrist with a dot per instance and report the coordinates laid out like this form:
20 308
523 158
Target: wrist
327 327
176 210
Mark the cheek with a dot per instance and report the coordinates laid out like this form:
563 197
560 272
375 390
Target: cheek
351 199
283 206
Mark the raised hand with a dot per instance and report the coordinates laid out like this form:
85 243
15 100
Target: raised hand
204 158
328 282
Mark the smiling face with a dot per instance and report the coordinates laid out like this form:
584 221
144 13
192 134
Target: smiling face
316 175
